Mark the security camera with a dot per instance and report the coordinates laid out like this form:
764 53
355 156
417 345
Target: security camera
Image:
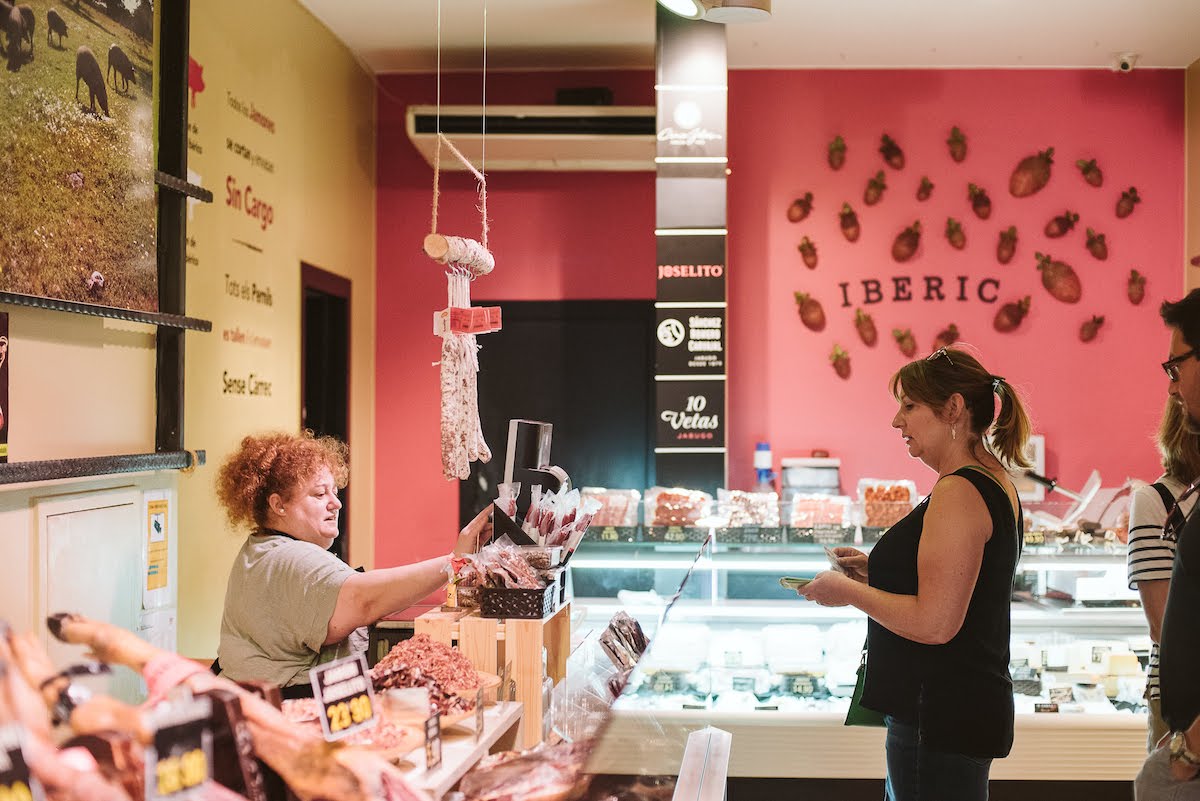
1124 62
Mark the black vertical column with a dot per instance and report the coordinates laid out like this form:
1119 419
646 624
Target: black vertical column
690 230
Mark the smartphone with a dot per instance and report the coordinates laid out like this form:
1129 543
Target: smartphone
793 583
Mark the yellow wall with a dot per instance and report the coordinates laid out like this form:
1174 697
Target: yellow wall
270 60
1192 161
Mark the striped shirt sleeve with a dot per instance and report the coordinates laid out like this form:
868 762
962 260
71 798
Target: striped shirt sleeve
1150 558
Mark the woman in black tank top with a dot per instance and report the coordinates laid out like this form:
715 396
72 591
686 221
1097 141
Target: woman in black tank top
937 586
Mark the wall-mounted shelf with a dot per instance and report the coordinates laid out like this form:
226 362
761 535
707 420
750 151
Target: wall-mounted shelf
113 312
56 469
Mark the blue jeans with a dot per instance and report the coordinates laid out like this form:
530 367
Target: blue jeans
916 772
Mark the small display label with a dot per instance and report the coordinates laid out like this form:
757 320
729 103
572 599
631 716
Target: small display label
433 742
743 684
344 692
801 684
179 759
478 714
16 782
1051 707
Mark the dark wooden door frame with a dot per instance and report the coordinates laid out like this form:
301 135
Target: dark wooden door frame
312 277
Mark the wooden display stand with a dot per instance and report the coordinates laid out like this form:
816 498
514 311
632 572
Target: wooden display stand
490 644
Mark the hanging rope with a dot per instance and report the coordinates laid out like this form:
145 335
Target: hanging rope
451 250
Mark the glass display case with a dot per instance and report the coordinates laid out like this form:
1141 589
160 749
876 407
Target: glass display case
737 651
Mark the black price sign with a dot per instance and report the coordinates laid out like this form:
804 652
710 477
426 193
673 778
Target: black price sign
433 742
179 760
343 691
16 783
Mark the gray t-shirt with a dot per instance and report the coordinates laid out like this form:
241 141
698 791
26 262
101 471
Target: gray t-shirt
278 603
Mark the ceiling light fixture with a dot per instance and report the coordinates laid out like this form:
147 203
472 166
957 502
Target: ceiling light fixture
736 11
723 11
690 9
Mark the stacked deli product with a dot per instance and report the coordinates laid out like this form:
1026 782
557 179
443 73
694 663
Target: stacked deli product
421 662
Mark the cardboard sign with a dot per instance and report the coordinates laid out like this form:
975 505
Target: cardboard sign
16 782
433 742
344 692
179 759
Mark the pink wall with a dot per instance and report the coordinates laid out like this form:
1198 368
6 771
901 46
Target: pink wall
1095 403
555 236
583 236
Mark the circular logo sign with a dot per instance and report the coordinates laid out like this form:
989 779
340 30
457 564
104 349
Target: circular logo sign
687 114
671 332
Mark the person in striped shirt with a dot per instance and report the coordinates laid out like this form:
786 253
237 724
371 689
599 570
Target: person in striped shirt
1150 556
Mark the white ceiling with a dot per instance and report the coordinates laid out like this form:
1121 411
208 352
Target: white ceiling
401 35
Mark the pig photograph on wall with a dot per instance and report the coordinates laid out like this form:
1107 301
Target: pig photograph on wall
77 151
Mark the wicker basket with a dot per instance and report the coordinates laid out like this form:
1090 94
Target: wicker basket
527 604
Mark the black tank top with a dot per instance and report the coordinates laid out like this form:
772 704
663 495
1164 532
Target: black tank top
958 694
1179 651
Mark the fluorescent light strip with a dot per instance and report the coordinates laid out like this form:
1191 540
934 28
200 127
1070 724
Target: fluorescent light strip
690 87
690 377
691 160
691 231
702 304
689 450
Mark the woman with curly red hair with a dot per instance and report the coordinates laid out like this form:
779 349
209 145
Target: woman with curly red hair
290 604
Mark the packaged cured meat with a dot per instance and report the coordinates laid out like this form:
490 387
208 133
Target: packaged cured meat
676 506
618 507
809 511
884 503
546 773
823 519
738 509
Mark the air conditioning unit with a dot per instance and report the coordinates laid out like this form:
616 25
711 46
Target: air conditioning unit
560 138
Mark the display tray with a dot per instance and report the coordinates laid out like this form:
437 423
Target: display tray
821 535
612 534
872 533
501 602
752 535
674 534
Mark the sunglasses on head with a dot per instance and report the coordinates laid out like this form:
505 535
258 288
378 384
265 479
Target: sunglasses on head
940 352
1171 365
1176 518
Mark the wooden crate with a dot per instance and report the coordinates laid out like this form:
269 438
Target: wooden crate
491 644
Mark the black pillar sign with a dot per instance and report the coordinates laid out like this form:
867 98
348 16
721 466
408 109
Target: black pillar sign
691 414
691 267
690 341
691 81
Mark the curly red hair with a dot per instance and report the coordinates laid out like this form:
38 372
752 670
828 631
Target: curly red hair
277 462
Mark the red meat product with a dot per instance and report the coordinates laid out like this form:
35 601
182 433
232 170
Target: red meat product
679 507
447 666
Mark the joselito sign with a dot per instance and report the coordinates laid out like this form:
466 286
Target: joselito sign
691 268
691 414
690 341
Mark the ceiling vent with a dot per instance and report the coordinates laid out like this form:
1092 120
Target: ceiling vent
551 138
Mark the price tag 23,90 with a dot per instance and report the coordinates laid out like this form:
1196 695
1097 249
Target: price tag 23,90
179 760
16 782
344 694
